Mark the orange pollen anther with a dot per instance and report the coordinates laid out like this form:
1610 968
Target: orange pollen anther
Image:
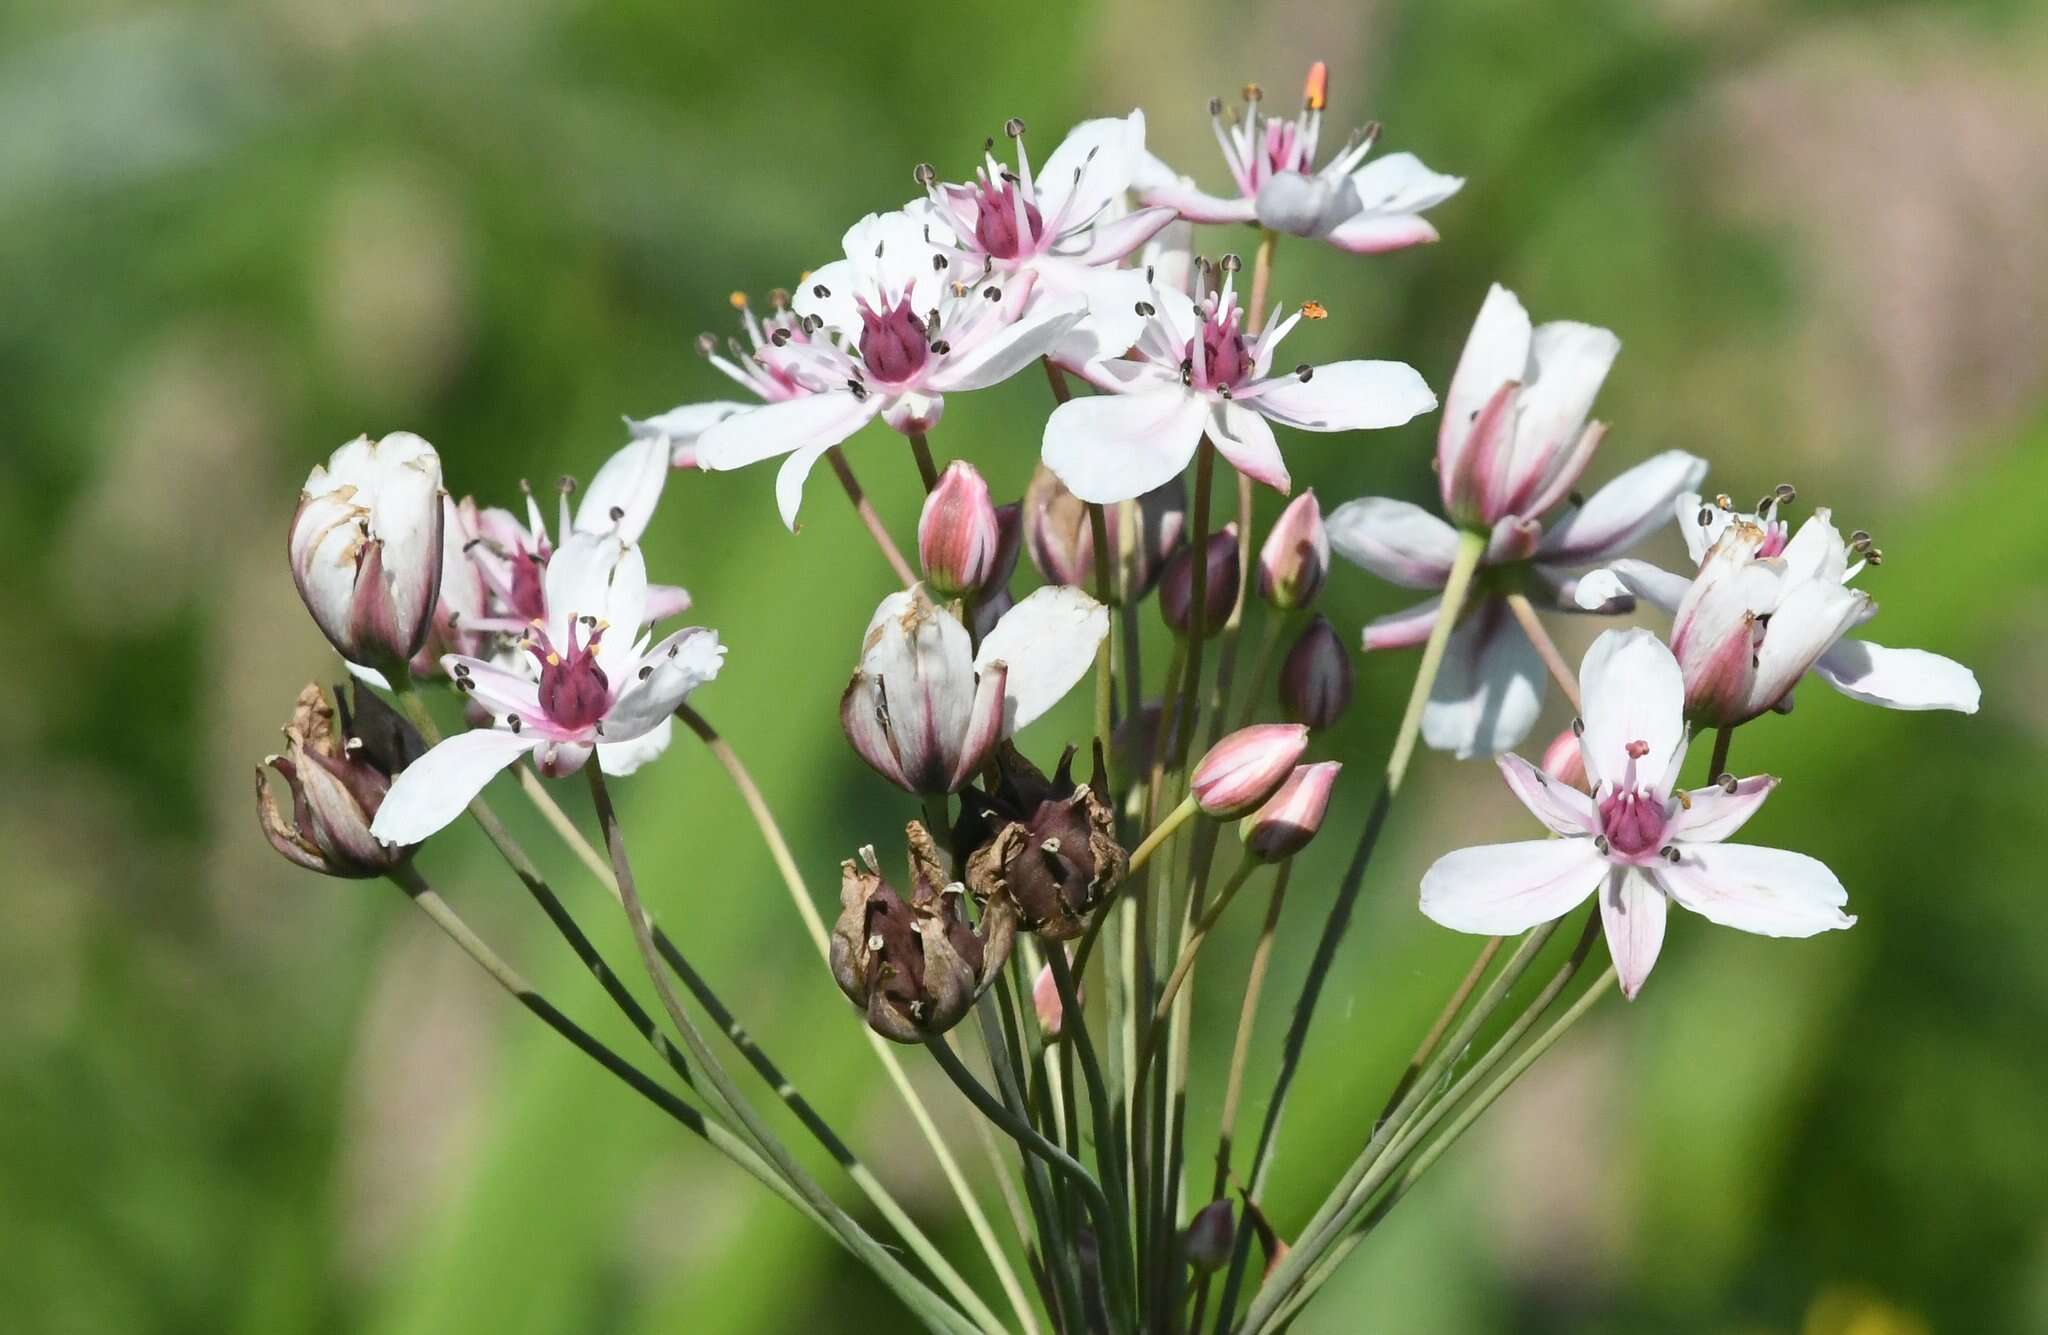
1315 95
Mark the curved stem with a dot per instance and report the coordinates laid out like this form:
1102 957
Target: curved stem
1161 832
868 518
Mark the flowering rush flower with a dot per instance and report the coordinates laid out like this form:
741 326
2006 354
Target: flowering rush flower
599 685
1365 209
1767 606
763 367
1196 373
1513 443
366 547
926 709
913 330
1064 225
1636 839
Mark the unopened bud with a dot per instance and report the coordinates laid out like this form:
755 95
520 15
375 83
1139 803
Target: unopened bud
1246 767
1296 556
337 773
958 536
1315 678
1207 1242
1061 539
1045 999
1563 762
1290 818
1219 593
366 548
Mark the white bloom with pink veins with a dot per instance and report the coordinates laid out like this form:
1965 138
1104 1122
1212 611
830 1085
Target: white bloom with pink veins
1766 608
1363 207
1195 372
1636 840
1514 441
1065 224
598 685
914 331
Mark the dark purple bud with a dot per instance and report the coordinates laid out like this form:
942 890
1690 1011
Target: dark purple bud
1176 586
1315 679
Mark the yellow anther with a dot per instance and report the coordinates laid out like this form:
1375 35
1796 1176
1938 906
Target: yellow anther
1313 310
738 300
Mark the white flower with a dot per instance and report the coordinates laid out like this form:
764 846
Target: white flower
762 367
913 329
1764 609
1066 225
1636 839
366 546
925 709
1365 209
597 685
1196 373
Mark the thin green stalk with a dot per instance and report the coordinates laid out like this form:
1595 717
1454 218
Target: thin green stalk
1060 1258
921 1300
1161 832
927 471
865 511
1105 682
1108 1147
1719 764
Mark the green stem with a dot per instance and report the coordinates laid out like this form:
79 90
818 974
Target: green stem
871 521
1161 832
1719 764
921 450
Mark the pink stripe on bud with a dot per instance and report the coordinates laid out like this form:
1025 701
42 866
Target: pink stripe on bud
1245 768
1290 818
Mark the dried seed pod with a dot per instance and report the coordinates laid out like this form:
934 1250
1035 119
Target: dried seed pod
1046 847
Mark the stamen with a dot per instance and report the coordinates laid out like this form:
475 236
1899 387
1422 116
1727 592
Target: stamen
1147 310
924 174
1313 310
1305 371
1600 842
707 345
1578 727
1727 784
820 291
737 300
1014 127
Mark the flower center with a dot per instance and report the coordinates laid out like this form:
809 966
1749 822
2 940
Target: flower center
1284 149
573 688
529 601
892 342
1218 356
995 223
1632 818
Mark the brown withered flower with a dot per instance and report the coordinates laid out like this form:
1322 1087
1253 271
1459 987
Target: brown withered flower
914 966
1046 846
337 770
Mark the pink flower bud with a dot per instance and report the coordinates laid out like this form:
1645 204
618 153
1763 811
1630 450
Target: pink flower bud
1210 1234
1315 679
366 548
1296 556
1244 768
1061 539
1562 761
1290 818
1176 586
958 536
1045 999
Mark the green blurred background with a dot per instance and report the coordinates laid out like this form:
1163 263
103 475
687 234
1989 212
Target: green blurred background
238 1098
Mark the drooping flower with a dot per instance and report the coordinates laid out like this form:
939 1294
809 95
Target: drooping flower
597 684
366 547
1514 442
1196 372
1355 205
913 331
762 366
1063 225
925 709
1636 839
1766 608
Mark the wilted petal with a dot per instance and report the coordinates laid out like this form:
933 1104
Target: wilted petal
1560 806
1490 688
1503 889
1768 891
1898 678
1632 910
433 790
1048 643
1117 447
1398 541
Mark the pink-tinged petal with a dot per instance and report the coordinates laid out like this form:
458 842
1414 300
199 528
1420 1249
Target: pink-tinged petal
1624 512
1180 195
433 790
865 720
1346 396
1709 815
1474 487
815 421
1011 348
1632 692
1048 643
662 681
1111 241
1566 470
619 759
1512 540
1898 678
1490 688
622 497
1807 623
1398 541
917 682
1598 590
1377 234
1242 436
1117 447
984 724
1496 352
1571 361
1632 910
1561 807
665 601
1768 891
1505 889
497 690
1403 630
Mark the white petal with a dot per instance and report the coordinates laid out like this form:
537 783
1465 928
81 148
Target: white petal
1347 396
578 582
1768 891
1117 447
1624 512
1632 910
1565 809
1408 629
828 293
1709 815
497 690
433 790
624 612
1633 692
1399 183
1396 540
1816 552
1496 352
1898 678
815 420
1113 323
1048 643
1010 348
672 669
630 485
1571 361
921 666
1490 688
1242 436
618 759
1091 166
683 425
1808 621
1304 205
1503 889
1114 239
1631 579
